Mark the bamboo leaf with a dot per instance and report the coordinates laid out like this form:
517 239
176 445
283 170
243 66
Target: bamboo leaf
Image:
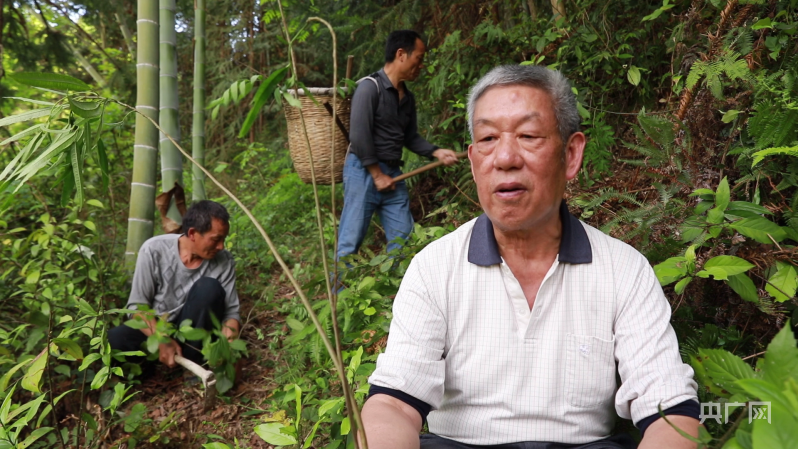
234 92
78 175
29 100
25 116
262 96
35 435
68 186
50 81
102 159
85 109
21 134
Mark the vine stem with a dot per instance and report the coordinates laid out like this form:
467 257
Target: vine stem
351 403
302 296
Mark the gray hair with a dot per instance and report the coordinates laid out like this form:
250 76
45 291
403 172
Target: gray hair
550 81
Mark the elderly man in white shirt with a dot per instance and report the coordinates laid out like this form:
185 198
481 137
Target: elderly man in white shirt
509 332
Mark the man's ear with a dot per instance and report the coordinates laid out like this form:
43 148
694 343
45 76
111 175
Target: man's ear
470 152
191 233
574 151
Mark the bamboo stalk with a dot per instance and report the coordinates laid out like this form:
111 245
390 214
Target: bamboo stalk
198 125
145 149
171 161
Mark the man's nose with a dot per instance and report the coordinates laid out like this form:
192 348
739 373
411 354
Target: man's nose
507 154
220 245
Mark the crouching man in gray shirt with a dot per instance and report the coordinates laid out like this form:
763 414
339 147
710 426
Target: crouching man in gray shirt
189 276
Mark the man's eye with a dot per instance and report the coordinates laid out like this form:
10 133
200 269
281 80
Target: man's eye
487 139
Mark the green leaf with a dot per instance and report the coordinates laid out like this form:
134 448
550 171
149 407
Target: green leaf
327 406
215 445
370 311
100 378
681 285
724 369
86 308
270 432
32 380
234 92
345 426
294 324
29 100
35 435
743 286
762 23
721 267
761 155
781 359
102 159
90 225
193 334
722 195
758 229
54 81
780 432
95 203
70 347
262 96
366 284
633 75
782 282
292 100
747 207
25 116
729 116
671 270
85 109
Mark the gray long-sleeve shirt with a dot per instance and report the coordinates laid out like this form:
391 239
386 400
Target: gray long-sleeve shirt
381 124
161 280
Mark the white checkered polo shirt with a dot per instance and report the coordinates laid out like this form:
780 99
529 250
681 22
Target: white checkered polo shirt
464 341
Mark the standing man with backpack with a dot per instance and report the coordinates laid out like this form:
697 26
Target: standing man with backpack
383 121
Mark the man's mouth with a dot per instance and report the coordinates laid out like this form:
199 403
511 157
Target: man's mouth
509 190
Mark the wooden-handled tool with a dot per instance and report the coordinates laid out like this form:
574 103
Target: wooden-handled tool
435 164
207 377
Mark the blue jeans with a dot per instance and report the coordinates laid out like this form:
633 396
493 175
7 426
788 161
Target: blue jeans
362 199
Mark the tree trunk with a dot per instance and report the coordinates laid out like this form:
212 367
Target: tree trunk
126 34
171 159
558 9
88 67
198 126
145 150
533 10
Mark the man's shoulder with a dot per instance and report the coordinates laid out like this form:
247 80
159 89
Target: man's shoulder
159 243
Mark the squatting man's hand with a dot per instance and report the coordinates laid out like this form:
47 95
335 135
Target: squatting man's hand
167 352
448 157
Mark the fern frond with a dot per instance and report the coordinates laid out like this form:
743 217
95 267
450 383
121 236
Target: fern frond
760 155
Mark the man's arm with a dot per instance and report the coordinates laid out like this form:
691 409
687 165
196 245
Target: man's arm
661 434
390 423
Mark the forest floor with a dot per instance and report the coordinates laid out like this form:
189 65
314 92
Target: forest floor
176 407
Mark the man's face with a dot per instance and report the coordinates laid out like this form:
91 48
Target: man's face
208 244
413 63
517 157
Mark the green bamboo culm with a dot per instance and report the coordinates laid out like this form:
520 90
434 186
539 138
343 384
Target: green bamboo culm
198 125
145 149
171 160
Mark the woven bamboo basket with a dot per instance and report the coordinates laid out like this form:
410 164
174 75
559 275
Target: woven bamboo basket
318 120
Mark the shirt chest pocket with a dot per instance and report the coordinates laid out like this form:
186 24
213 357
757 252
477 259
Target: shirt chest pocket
589 370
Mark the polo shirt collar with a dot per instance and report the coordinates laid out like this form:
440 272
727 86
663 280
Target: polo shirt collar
574 244
386 83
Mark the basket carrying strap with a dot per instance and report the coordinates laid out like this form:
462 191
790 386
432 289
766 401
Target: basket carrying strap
373 78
